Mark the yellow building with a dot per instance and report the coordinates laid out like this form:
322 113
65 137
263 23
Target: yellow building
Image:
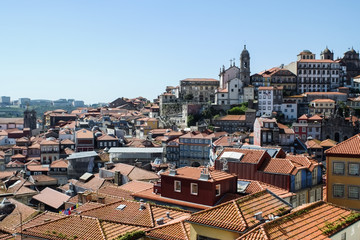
322 106
343 173
145 125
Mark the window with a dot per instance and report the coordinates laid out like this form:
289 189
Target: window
338 190
194 188
301 198
314 176
312 196
217 190
177 186
353 192
354 169
338 168
343 236
318 194
298 180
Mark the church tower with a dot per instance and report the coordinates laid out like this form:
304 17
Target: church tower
327 54
245 66
30 119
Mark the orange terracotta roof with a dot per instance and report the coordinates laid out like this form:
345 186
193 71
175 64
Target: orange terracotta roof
84 133
317 60
67 141
174 231
347 147
313 143
132 214
51 198
68 227
40 219
61 163
250 155
266 88
114 230
199 80
232 118
35 146
309 222
279 166
49 142
315 118
238 215
258 186
136 186
303 117
134 173
41 178
37 168
116 191
325 93
195 172
328 143
107 138
286 129
16 156
11 221
323 100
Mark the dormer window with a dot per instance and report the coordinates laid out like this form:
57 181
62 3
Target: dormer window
217 190
194 189
177 186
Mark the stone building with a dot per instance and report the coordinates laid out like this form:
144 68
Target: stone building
30 119
351 61
198 89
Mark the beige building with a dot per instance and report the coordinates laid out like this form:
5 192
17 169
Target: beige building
198 89
49 151
322 106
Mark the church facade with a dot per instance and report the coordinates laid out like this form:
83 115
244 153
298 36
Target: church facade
235 82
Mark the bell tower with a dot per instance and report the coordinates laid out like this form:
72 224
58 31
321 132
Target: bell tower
245 66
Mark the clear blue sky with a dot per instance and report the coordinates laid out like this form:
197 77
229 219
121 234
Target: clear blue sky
100 50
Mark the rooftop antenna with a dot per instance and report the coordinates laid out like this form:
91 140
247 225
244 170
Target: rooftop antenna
230 62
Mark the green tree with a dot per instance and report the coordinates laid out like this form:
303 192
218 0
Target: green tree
189 97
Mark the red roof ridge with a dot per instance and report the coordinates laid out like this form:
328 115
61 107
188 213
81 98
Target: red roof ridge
342 143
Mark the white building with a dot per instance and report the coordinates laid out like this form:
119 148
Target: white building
269 100
318 75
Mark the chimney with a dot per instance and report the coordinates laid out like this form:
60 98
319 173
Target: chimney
101 200
172 172
80 197
258 216
109 165
118 178
160 221
168 215
142 207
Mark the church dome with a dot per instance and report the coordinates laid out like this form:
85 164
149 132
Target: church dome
326 50
245 52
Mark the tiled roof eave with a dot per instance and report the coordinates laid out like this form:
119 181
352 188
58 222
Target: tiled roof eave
285 174
342 155
225 229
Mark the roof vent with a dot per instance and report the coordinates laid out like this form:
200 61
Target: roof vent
142 207
204 176
173 172
258 216
121 207
168 215
160 221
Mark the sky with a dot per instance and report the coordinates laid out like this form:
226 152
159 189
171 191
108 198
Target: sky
97 51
